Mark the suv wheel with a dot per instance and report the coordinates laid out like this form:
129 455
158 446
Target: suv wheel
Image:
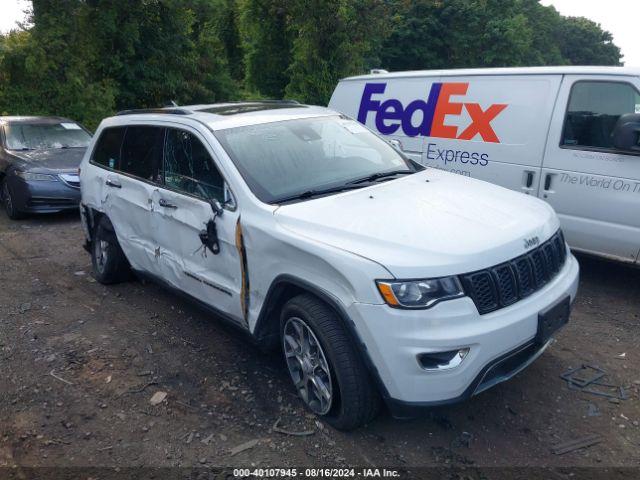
109 263
9 205
325 368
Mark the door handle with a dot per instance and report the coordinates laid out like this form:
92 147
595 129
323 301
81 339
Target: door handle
163 203
111 183
529 176
547 181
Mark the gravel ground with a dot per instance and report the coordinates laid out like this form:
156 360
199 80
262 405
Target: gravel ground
80 364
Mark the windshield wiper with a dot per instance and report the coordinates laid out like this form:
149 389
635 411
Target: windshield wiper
379 175
316 193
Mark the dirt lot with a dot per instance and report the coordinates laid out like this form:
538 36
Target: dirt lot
80 362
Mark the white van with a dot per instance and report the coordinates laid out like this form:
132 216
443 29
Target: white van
569 135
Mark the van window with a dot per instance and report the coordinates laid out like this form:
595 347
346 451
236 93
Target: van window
594 108
189 168
142 152
108 146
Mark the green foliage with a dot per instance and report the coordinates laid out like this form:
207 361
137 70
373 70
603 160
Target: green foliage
88 58
583 42
268 42
332 39
42 77
490 33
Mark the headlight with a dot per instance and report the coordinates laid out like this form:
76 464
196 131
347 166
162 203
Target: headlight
419 293
36 177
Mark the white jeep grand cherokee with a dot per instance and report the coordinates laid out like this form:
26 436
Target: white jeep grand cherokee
378 278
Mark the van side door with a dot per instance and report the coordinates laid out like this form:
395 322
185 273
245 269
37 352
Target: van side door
594 188
184 214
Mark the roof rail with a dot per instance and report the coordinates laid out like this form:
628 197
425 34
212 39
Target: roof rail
161 111
233 102
295 102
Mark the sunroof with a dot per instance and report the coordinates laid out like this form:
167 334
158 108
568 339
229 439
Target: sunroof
235 109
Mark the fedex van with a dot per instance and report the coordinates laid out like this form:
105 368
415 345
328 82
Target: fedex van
569 135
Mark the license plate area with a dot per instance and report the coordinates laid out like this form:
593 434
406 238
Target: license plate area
552 320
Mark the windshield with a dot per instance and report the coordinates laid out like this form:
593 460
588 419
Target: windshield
40 136
283 159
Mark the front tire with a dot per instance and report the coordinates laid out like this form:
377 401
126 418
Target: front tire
9 203
109 263
326 370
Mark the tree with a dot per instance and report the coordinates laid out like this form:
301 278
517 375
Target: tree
158 51
268 43
45 71
490 33
583 42
88 58
332 40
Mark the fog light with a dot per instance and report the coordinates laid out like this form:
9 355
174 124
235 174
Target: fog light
439 361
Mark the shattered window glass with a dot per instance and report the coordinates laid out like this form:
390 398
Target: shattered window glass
189 168
45 136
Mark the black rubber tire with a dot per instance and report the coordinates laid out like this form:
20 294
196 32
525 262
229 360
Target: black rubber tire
9 205
115 268
357 401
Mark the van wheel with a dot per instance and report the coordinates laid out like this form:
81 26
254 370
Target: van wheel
9 205
325 368
109 263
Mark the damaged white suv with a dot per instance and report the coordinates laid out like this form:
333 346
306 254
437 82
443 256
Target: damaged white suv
378 278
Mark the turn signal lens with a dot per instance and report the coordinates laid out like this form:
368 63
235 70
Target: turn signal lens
387 294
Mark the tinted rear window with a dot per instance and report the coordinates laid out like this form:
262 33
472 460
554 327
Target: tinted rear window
108 147
142 152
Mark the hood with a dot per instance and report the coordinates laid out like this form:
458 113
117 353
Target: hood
52 160
428 224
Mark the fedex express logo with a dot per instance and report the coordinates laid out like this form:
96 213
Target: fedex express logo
392 115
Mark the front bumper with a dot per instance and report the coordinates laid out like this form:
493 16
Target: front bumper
500 343
43 196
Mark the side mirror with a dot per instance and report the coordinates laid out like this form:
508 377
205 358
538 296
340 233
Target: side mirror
395 144
626 134
216 206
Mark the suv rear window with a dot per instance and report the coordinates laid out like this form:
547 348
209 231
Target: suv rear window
142 152
107 149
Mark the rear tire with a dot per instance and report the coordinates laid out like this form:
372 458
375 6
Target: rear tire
328 366
9 204
109 263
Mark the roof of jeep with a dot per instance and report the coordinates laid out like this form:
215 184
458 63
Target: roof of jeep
220 116
35 120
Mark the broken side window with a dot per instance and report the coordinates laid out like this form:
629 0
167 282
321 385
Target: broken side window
189 168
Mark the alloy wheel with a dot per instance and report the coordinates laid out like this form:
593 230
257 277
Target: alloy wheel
6 196
101 253
308 365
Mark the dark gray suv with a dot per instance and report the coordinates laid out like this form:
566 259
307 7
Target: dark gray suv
39 160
